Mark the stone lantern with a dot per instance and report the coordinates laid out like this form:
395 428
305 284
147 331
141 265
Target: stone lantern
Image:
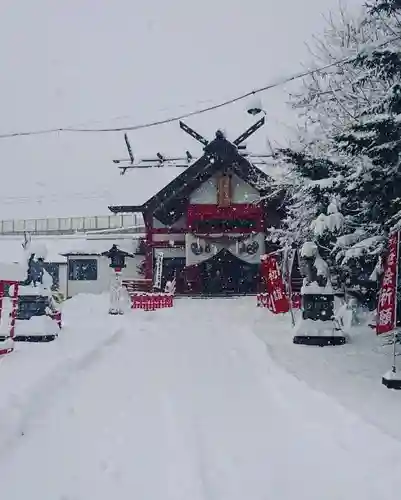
317 325
117 263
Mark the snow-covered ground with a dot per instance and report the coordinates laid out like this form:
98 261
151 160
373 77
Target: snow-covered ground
351 374
206 401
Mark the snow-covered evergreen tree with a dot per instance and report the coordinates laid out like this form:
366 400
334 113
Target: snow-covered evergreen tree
350 142
373 140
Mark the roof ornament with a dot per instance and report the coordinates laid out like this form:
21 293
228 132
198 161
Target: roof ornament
183 162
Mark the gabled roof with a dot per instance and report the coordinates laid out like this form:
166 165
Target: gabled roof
169 203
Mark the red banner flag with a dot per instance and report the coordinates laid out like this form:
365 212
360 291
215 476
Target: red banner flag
279 302
387 305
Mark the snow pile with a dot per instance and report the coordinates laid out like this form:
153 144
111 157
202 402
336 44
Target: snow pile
321 266
332 222
6 346
37 326
347 240
308 327
328 182
344 316
39 248
309 249
377 271
313 288
47 280
31 290
390 375
371 246
12 271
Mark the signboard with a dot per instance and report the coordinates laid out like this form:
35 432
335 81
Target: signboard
387 304
159 270
278 300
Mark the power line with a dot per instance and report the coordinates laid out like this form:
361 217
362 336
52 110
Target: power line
246 95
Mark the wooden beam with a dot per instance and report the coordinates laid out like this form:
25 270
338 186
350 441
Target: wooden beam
251 130
193 134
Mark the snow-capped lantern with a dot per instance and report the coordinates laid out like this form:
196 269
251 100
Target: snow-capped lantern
117 258
317 325
117 262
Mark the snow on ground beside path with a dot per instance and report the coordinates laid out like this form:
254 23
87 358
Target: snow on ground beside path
188 404
31 375
352 374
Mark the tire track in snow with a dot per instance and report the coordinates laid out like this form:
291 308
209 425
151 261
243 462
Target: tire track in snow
186 472
269 420
212 372
23 413
185 466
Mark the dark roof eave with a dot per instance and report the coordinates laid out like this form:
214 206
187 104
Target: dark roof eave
119 209
84 254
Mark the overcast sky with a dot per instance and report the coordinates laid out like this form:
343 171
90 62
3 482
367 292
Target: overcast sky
118 62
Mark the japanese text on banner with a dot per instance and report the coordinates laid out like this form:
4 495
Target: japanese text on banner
387 305
275 287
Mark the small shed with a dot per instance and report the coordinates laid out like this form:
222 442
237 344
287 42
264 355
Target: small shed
88 270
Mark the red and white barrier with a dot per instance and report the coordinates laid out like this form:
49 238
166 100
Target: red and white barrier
151 301
6 346
264 300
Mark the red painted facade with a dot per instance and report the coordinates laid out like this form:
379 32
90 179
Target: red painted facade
239 211
206 212
196 214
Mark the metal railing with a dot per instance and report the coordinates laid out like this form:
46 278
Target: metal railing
70 225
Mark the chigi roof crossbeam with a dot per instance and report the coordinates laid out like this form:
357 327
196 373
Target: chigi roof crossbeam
159 160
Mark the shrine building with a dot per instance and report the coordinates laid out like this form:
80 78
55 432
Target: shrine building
210 222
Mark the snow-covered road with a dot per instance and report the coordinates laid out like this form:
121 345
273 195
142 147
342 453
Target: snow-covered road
187 404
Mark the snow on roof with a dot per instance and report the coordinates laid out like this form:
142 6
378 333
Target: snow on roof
98 246
134 188
11 250
138 185
57 247
12 271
